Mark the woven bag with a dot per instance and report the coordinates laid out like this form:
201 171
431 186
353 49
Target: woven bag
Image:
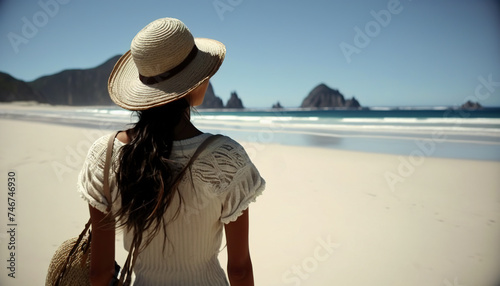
70 264
76 270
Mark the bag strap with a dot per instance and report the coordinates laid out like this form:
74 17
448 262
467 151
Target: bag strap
70 254
198 151
107 167
202 147
126 274
107 194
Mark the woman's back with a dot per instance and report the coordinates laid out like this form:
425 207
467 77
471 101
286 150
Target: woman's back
218 187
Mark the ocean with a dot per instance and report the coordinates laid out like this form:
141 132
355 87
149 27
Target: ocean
431 132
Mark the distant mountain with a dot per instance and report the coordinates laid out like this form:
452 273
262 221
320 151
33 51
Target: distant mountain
323 96
211 100
234 101
69 87
12 89
78 86
82 87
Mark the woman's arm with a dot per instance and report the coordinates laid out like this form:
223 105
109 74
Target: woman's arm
239 264
102 256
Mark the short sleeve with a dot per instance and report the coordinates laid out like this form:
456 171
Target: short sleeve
237 197
233 178
91 177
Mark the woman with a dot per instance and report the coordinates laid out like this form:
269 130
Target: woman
175 221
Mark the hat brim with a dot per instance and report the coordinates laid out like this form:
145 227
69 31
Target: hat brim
127 91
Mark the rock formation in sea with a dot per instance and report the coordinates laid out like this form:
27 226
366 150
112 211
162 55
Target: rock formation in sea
471 105
234 101
277 105
211 100
323 96
352 103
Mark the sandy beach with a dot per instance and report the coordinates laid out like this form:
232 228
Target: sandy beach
327 217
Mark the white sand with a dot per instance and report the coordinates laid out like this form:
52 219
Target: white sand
327 217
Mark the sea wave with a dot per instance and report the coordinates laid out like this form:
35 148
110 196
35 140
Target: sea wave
474 137
287 123
414 120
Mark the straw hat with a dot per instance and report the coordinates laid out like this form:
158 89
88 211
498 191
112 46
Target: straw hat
164 63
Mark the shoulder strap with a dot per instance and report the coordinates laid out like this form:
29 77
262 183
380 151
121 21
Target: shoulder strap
107 167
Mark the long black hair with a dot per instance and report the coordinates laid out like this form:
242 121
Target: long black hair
146 181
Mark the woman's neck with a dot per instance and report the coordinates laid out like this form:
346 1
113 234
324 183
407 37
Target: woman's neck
185 129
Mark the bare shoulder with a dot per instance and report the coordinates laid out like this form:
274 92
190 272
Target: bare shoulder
123 137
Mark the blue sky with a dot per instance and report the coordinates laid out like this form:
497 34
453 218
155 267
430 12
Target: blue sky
383 52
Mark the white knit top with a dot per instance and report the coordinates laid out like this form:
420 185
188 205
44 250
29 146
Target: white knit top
225 182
